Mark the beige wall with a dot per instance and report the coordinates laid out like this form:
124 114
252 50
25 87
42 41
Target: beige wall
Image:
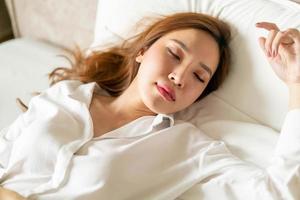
5 26
63 23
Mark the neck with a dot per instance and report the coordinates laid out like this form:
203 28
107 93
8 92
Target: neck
128 106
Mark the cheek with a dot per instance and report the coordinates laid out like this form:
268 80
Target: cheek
194 92
155 64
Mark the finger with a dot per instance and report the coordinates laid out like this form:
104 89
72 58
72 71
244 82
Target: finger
276 42
269 41
293 36
267 25
262 42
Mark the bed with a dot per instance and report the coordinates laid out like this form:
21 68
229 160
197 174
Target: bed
246 112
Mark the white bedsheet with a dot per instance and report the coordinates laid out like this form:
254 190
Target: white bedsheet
24 65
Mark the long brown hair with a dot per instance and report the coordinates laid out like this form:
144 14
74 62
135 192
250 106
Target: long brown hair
114 68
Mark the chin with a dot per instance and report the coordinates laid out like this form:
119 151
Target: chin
154 102
161 109
157 107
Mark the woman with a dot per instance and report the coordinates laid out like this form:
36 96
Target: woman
74 142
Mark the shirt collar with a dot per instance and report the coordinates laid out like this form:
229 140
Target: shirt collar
160 119
83 92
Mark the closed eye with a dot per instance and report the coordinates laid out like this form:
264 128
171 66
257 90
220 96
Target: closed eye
198 77
173 54
178 58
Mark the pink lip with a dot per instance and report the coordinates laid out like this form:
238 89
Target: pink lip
166 92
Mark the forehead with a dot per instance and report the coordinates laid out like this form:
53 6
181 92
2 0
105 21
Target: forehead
199 43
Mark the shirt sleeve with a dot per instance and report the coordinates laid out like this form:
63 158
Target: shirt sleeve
7 137
285 168
10 134
224 176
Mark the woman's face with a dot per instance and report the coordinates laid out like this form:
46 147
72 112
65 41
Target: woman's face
175 70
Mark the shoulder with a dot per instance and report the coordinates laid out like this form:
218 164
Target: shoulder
65 86
69 88
186 124
65 93
190 130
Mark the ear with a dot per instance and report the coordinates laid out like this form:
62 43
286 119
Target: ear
139 58
140 55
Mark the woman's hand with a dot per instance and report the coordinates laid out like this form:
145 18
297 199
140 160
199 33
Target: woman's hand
6 194
282 49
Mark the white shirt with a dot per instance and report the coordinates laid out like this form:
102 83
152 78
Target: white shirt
49 153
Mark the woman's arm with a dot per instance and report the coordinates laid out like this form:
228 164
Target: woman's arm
294 99
6 194
282 49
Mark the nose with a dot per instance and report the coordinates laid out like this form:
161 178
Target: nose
178 78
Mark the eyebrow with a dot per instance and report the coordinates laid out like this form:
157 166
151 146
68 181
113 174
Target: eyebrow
184 47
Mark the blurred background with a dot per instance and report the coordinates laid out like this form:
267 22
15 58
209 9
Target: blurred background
33 35
6 32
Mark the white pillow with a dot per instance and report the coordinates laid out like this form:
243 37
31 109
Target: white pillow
250 141
252 87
